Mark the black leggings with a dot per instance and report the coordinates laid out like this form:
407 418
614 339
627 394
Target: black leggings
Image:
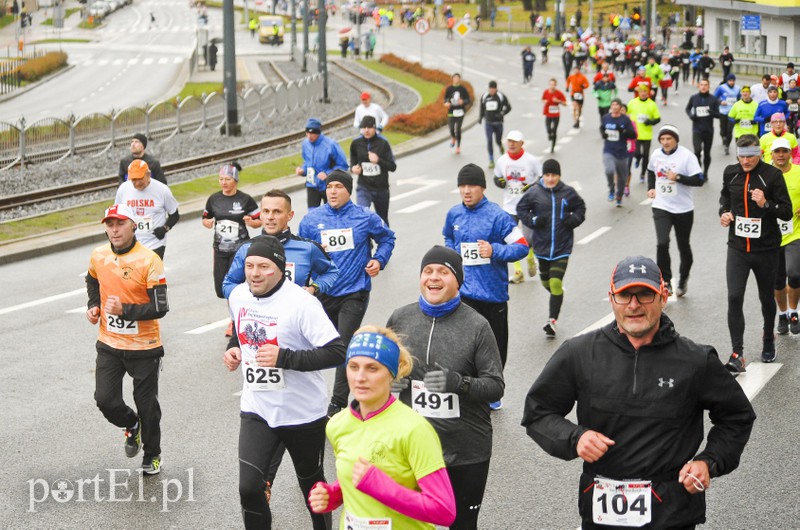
551 124
455 128
257 443
469 484
764 266
682 222
726 131
222 262
551 273
702 144
643 154
314 197
346 312
497 315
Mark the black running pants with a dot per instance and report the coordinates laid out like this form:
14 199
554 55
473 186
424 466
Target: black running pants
682 223
497 315
469 484
346 312
764 266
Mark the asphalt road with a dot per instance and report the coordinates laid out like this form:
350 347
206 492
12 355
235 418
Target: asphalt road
52 430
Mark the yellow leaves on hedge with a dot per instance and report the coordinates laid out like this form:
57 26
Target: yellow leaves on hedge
35 69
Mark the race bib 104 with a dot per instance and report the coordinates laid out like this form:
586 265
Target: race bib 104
261 378
434 404
472 256
338 239
621 503
748 227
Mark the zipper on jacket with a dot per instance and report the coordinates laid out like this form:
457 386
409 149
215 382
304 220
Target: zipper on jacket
553 223
746 209
430 336
635 367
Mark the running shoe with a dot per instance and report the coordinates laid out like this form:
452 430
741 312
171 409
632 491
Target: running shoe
735 364
768 353
682 287
636 162
783 325
727 150
794 324
641 179
550 328
502 150
531 266
229 329
458 150
610 196
133 440
619 203
491 164
669 288
496 405
517 278
452 143
576 125
627 191
151 465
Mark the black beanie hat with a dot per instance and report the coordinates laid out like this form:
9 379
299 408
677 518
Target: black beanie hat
551 165
269 247
472 175
142 138
367 122
447 257
337 175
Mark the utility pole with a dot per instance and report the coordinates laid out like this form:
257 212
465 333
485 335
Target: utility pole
294 29
649 22
323 51
231 127
246 15
305 36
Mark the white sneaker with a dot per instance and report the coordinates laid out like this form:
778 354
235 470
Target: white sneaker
550 328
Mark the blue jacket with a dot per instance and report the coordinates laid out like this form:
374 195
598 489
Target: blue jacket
695 57
488 222
366 227
311 264
765 110
323 156
552 214
727 96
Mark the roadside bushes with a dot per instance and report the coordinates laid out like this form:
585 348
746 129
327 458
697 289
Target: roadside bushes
35 69
430 117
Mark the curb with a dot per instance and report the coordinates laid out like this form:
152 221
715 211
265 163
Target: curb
39 83
76 236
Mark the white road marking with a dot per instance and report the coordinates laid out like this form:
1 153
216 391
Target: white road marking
565 140
102 62
646 201
133 61
178 60
455 191
89 62
528 115
147 61
163 60
116 62
41 301
417 207
573 131
209 327
81 309
426 185
756 377
594 235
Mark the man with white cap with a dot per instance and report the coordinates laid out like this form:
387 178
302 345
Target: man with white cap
671 174
789 254
154 207
127 294
515 172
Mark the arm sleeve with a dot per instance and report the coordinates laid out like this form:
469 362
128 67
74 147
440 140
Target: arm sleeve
689 108
550 398
731 415
489 385
384 119
207 213
724 197
578 214
434 503
386 156
235 274
156 308
506 105
482 111
335 498
323 270
328 356
651 180
353 157
384 237
693 180
173 218
339 158
93 291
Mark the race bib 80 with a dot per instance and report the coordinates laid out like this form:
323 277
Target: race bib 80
338 239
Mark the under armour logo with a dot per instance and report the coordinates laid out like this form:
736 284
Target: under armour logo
662 383
632 268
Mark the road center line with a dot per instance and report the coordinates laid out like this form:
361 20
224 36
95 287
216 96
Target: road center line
594 235
417 207
41 301
209 327
430 184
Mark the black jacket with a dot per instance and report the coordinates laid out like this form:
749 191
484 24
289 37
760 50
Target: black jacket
553 214
494 108
736 183
651 402
702 109
155 168
449 92
359 154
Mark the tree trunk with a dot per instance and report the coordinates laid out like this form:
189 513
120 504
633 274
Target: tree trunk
541 5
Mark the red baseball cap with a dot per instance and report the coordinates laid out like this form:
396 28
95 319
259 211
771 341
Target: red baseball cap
365 95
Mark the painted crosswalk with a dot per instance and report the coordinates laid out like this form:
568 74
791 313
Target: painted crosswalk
133 61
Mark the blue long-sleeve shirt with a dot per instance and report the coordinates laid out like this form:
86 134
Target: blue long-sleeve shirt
764 112
322 156
346 234
486 221
306 263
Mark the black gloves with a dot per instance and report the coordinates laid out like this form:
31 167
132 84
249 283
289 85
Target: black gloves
160 232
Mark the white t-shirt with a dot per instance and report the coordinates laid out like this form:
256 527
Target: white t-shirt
673 196
374 110
151 206
758 92
290 318
524 171
785 78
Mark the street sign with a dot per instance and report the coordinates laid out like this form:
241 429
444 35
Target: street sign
462 28
751 24
422 26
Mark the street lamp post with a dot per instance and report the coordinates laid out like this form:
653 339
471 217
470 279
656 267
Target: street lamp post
231 127
305 36
323 51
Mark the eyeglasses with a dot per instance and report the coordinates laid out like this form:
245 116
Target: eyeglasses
643 297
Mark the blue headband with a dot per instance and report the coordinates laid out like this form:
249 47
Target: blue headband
375 346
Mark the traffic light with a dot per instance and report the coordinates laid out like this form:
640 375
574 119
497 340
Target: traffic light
23 21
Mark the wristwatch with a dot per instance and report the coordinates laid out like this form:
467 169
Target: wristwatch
463 388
